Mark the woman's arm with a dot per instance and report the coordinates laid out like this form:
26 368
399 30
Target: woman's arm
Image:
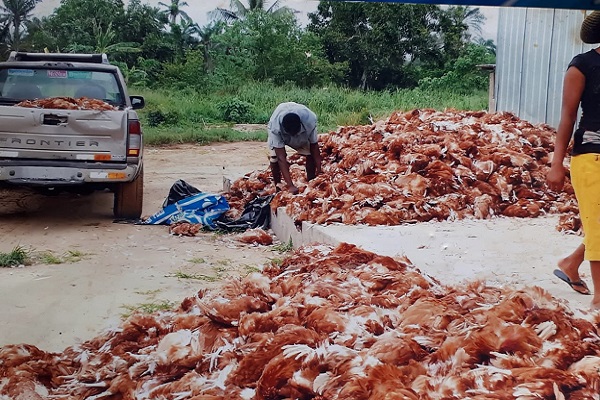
573 86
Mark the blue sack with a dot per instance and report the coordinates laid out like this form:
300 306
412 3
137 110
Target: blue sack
201 208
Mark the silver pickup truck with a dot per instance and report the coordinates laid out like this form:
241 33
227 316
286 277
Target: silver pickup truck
68 123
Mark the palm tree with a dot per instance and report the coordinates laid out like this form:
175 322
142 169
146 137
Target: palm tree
133 75
6 43
174 10
4 32
182 35
470 17
188 29
488 44
14 13
206 40
105 42
239 11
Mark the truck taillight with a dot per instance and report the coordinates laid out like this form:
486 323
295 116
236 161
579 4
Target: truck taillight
134 139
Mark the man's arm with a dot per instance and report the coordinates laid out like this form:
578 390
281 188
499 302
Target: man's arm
315 152
284 166
310 124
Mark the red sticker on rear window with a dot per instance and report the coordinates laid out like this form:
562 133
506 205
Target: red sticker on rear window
54 73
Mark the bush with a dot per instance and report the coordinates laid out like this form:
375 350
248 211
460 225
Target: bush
158 117
462 76
16 257
187 75
237 111
155 117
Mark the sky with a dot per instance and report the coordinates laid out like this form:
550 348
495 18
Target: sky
198 10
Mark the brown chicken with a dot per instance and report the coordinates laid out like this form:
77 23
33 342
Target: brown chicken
424 165
317 327
68 103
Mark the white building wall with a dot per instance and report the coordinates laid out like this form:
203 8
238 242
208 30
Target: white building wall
533 50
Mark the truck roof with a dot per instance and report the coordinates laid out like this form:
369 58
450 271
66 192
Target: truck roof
97 62
59 57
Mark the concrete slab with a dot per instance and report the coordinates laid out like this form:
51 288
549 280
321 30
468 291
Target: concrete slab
501 251
285 229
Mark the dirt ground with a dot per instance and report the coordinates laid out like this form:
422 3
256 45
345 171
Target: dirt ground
122 266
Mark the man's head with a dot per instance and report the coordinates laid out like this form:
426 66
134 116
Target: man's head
291 123
590 28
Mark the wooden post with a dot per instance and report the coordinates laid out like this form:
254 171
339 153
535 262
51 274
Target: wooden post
491 86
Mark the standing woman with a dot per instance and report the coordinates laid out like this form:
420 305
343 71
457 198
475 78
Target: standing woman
582 87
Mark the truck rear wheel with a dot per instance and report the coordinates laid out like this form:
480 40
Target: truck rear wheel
129 198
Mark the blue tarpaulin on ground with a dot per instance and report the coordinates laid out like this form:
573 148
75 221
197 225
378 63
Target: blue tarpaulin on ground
201 208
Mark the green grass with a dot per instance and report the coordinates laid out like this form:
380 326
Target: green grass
189 133
276 261
148 308
220 268
17 256
284 247
219 233
151 293
20 256
199 277
74 256
193 117
49 257
251 269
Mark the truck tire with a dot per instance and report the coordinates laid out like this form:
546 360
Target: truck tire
129 198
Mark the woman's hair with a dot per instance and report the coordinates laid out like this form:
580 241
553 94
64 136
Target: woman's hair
590 28
291 123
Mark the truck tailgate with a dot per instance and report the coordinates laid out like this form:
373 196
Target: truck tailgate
36 133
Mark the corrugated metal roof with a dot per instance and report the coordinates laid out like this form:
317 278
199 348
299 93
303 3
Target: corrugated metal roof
534 49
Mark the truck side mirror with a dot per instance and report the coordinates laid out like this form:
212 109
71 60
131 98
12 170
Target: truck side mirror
137 102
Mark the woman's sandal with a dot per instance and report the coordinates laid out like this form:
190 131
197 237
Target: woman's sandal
578 286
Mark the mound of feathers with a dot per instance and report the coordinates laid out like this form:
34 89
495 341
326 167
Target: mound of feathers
424 165
328 323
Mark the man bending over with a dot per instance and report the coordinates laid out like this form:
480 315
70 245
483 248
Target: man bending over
293 125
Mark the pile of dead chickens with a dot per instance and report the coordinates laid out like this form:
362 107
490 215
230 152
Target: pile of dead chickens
68 103
329 323
424 165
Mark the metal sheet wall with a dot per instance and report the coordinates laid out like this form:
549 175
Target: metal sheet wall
533 50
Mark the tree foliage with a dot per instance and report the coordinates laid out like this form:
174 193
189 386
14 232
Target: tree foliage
73 23
272 47
390 45
73 27
105 42
141 21
364 45
462 75
207 36
238 11
174 10
13 16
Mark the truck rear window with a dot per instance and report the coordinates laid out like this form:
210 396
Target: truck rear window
29 84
